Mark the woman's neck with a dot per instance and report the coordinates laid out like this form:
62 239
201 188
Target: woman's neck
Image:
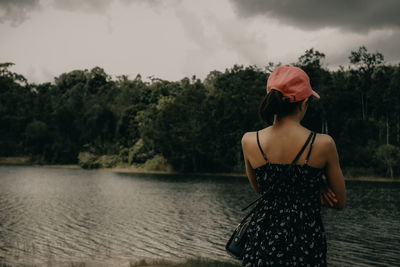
287 121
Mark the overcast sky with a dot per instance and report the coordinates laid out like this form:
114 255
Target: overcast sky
172 39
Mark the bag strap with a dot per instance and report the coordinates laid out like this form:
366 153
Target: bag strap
279 180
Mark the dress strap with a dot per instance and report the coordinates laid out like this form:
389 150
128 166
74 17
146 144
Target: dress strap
311 146
259 146
302 149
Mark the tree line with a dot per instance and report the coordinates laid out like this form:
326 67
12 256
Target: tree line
196 125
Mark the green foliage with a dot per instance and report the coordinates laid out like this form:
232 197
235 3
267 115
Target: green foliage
88 160
108 161
157 163
15 111
365 61
10 77
99 126
139 153
127 126
181 117
195 125
232 108
37 137
365 64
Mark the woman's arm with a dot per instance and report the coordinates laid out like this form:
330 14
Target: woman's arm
249 169
333 172
328 198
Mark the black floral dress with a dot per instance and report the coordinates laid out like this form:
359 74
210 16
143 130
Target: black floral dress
287 229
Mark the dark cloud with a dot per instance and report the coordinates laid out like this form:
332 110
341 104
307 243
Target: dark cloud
16 11
354 15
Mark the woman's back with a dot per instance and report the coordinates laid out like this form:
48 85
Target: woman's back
287 228
281 143
299 177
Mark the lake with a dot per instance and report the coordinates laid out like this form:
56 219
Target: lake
55 216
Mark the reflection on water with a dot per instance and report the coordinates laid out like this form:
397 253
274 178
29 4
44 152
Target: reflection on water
63 215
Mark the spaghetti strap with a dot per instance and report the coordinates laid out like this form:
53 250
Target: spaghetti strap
259 146
311 146
302 149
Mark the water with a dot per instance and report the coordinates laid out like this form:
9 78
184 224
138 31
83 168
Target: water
56 217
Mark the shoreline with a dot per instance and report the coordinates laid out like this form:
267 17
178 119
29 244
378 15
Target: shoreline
24 161
145 262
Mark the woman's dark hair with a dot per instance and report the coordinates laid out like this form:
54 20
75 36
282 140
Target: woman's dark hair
274 103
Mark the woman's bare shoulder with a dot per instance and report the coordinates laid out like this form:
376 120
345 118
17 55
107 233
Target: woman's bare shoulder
325 141
248 138
251 137
325 146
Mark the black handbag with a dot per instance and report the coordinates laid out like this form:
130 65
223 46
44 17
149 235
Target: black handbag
236 243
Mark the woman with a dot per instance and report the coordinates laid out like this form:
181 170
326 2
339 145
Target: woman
287 230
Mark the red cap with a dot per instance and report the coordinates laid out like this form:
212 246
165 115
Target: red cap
292 82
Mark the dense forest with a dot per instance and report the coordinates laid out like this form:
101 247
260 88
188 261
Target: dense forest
194 125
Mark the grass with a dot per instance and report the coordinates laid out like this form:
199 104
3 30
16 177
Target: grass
196 262
15 161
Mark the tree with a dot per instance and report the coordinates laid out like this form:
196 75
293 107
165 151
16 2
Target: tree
233 110
67 81
195 125
390 156
311 60
384 99
178 127
37 139
365 64
394 95
100 125
127 127
15 110
8 76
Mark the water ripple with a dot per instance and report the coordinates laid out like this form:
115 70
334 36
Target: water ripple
55 216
